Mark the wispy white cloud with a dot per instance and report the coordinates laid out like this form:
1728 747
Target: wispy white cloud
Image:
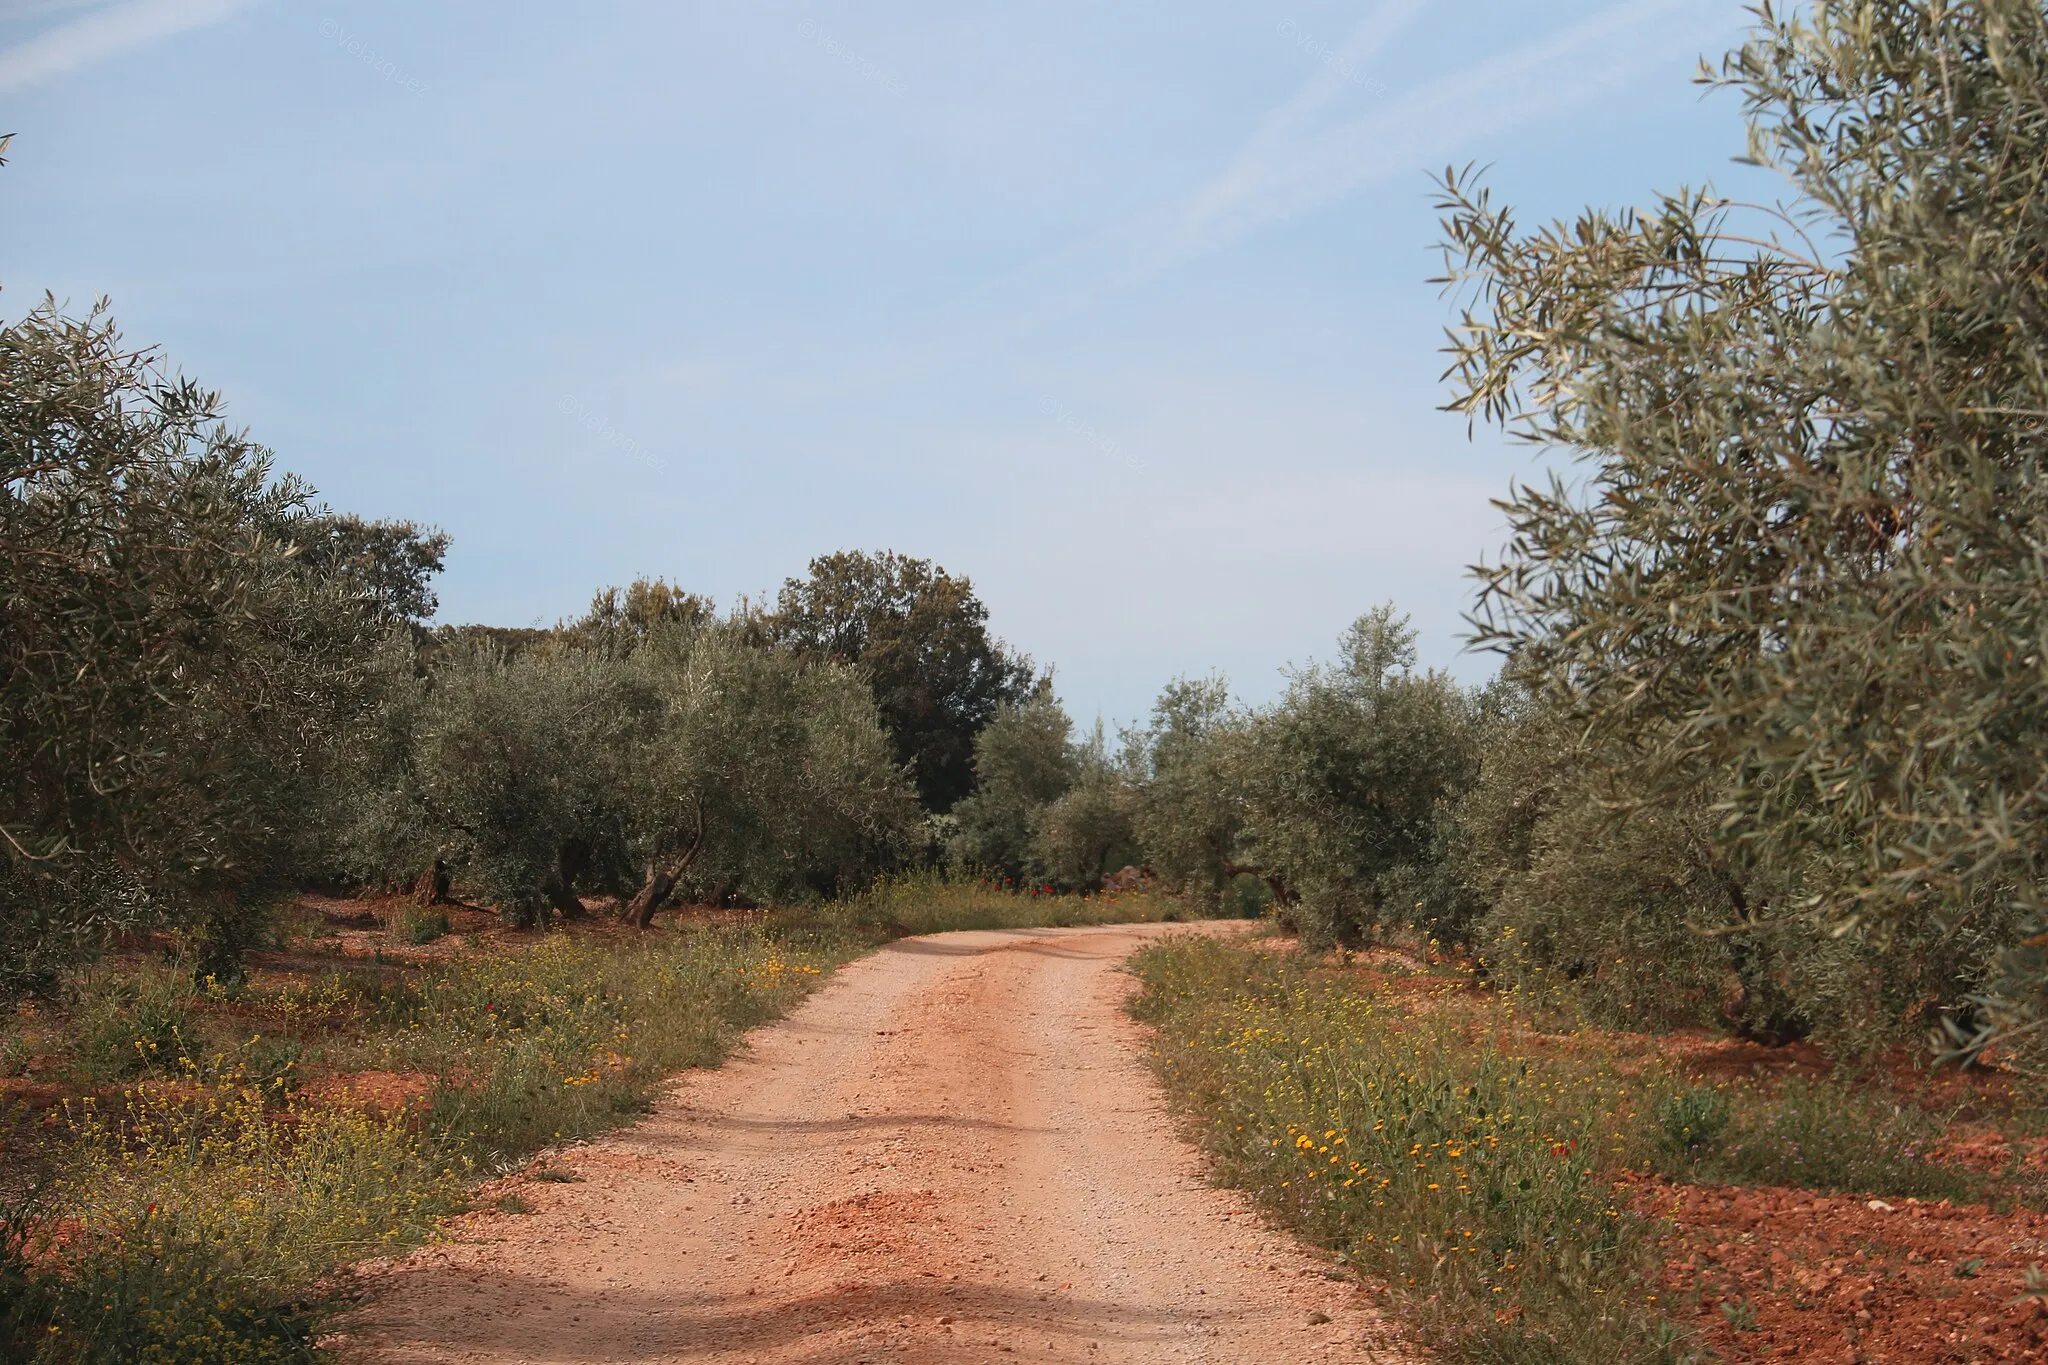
1333 76
1315 148
92 37
1289 166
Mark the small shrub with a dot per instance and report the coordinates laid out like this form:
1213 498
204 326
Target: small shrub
1741 1316
16 1051
128 1025
1692 1121
160 1294
417 927
269 1063
202 1220
26 1301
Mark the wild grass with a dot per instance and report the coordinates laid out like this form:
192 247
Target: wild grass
1844 1139
193 1216
1465 1176
1478 1165
128 1024
414 926
564 1041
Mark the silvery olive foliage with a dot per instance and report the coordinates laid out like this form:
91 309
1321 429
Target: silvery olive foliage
1341 781
1024 761
1046 809
777 771
1186 807
174 674
1089 833
1798 568
1330 797
680 759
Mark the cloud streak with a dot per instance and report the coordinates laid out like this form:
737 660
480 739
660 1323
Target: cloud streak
1305 154
116 29
1287 168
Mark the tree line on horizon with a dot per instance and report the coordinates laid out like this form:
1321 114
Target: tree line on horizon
1768 752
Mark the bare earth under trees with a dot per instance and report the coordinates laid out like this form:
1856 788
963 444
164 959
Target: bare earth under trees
953 1152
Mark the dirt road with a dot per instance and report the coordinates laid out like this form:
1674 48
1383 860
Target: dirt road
952 1152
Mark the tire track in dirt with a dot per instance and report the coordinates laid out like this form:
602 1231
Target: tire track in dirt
952 1152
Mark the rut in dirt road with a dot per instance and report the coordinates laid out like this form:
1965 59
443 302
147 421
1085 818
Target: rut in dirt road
952 1152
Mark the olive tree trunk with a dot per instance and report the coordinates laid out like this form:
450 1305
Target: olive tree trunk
560 887
432 885
662 877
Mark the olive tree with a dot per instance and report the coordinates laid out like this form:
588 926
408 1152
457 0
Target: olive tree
756 774
1342 781
1089 832
512 769
1186 804
1800 559
173 675
1024 761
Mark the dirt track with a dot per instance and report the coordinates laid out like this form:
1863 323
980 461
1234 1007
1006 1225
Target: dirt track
952 1152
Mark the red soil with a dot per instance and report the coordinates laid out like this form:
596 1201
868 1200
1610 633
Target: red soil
1789 1274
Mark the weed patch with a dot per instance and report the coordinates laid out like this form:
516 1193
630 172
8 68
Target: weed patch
415 927
1825 1135
132 1024
194 1217
1484 1169
1466 1177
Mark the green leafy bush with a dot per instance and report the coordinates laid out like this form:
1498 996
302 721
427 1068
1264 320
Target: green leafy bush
920 637
417 927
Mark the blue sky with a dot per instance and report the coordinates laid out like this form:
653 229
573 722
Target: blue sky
1121 310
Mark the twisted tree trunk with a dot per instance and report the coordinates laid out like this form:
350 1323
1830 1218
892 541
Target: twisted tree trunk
662 878
560 888
431 886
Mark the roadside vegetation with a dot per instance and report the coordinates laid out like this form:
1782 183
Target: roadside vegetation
1510 1183
193 1169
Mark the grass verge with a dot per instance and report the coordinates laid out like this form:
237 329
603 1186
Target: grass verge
932 902
1483 1172
1465 1178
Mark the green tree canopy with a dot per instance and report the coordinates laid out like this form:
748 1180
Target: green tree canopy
1024 761
1342 781
921 637
1801 561
173 679
386 566
759 775
1187 807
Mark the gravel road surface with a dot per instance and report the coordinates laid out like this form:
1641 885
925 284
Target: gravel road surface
953 1151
